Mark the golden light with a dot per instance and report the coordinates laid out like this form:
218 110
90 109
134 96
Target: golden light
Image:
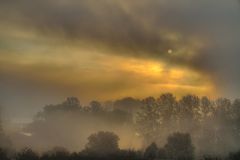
143 67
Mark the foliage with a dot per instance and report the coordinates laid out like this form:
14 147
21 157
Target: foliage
3 154
213 121
216 122
102 143
179 146
234 156
151 152
27 154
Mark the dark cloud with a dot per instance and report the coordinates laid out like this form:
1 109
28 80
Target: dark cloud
102 22
128 27
137 28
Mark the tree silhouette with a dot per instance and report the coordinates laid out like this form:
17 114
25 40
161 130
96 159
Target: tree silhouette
57 153
216 122
95 106
127 104
222 108
206 106
102 143
179 146
3 154
151 152
149 120
234 156
168 109
189 107
27 154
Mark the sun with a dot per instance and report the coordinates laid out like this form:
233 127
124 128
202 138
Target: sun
170 51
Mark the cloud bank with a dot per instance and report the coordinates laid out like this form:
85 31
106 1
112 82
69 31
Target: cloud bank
44 42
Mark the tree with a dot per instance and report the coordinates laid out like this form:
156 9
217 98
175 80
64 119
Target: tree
128 104
57 153
157 116
3 154
222 111
95 106
206 106
148 120
168 109
234 156
236 109
102 143
151 152
235 115
71 104
27 154
179 146
190 107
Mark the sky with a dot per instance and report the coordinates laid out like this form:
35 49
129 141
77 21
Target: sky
109 49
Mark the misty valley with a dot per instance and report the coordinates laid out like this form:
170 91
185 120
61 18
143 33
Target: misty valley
165 127
119 80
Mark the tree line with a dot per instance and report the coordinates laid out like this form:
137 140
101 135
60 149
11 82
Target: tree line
212 121
103 145
163 121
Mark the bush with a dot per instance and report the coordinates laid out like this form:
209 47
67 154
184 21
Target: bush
151 152
102 143
179 146
27 154
3 154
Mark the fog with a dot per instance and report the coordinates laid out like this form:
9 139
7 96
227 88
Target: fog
212 124
105 50
69 126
